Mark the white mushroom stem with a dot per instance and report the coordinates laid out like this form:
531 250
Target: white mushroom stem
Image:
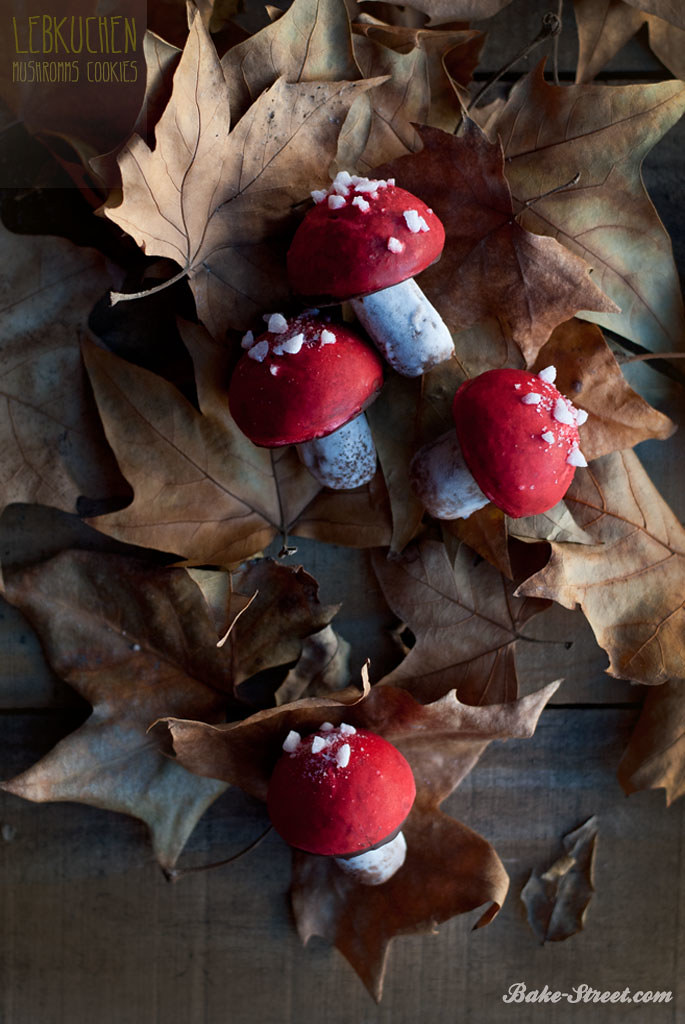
373 867
443 481
344 459
405 327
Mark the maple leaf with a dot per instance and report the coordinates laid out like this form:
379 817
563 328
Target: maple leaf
491 266
449 869
655 755
557 900
53 449
440 11
629 583
601 132
667 10
220 202
588 373
605 26
465 619
322 668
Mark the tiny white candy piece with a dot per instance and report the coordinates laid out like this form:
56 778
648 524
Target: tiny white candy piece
548 436
361 204
394 245
273 369
336 202
248 340
327 337
348 730
343 755
259 351
576 458
326 727
414 221
581 417
341 183
292 346
318 195
277 323
549 374
532 398
318 744
562 413
292 741
367 185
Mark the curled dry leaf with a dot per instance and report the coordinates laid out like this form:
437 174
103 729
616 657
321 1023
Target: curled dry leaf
491 267
655 755
449 869
220 202
629 583
53 449
440 11
323 667
605 26
557 900
464 617
550 134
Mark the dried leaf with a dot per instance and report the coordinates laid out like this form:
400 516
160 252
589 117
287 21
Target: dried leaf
605 26
588 373
655 755
491 267
465 620
555 524
550 134
355 519
449 869
219 202
557 900
668 10
440 11
486 532
53 449
323 667
629 584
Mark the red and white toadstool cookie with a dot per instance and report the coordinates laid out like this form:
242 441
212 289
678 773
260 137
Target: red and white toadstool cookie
516 444
364 240
344 793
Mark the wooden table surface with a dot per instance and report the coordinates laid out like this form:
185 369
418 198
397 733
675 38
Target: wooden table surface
91 930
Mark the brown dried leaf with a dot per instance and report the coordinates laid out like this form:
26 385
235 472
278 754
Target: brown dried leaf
555 524
220 202
629 584
466 621
53 449
486 532
449 869
491 267
323 667
605 26
441 11
669 10
588 373
557 900
551 133
355 519
655 755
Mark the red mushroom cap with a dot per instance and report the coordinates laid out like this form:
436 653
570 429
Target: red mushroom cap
302 382
351 795
517 433
362 241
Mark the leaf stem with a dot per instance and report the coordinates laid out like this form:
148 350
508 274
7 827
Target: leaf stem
175 874
555 44
115 297
550 192
551 26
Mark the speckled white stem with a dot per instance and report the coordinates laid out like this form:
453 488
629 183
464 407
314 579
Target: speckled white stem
406 328
376 866
344 459
442 480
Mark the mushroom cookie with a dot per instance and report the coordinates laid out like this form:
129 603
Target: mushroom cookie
344 793
306 381
364 240
516 444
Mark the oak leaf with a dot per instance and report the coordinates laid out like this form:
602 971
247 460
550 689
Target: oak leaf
629 583
449 869
655 755
53 449
601 132
556 901
491 267
464 617
219 202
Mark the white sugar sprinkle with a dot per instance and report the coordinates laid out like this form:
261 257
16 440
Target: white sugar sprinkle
394 245
319 744
348 730
259 351
549 374
291 346
277 323
273 369
361 204
343 755
367 185
326 727
414 221
327 337
548 436
336 202
248 339
581 416
562 413
532 398
292 741
319 194
576 458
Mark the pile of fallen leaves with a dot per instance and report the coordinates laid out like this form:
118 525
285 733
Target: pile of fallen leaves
115 409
